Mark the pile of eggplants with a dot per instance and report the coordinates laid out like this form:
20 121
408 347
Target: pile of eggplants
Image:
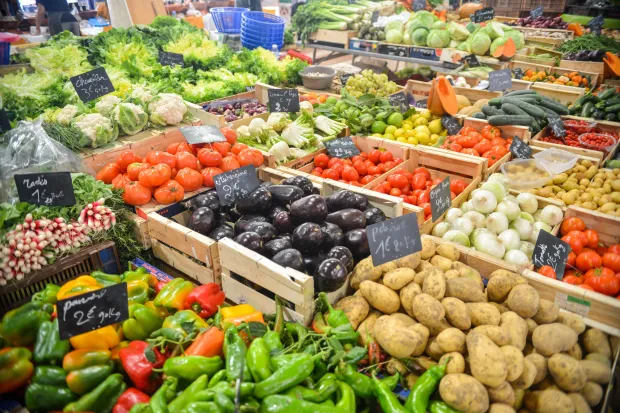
294 226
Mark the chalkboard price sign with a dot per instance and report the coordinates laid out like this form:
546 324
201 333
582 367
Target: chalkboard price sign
421 103
236 184
283 100
91 311
471 60
171 59
250 88
451 124
596 24
537 12
500 80
520 149
202 134
441 199
450 65
341 148
46 188
482 15
92 85
419 5
374 17
557 126
392 50
399 99
5 124
393 239
552 251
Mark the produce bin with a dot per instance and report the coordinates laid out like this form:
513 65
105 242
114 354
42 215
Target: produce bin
259 93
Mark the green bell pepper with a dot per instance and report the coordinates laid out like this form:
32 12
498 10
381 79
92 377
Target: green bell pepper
48 295
20 326
102 398
84 380
139 274
182 322
141 323
138 291
192 367
54 376
48 390
173 294
48 347
106 280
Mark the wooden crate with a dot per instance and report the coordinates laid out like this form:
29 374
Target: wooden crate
259 93
391 206
141 230
591 67
475 95
340 37
564 94
596 161
607 123
524 65
528 30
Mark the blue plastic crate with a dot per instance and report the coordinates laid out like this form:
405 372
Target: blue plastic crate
259 20
5 53
228 19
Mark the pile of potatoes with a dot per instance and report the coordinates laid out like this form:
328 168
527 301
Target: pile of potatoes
506 349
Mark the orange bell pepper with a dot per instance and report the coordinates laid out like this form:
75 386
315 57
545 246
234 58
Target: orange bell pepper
103 338
207 344
245 318
82 284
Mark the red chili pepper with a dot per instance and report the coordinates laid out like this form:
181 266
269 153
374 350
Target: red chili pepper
139 368
205 300
128 399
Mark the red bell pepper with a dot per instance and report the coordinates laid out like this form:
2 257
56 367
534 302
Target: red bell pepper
159 286
139 368
127 400
205 300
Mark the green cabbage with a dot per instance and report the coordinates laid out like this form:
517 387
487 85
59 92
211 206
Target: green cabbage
465 46
457 31
516 37
480 43
394 36
438 38
131 118
407 38
494 30
394 25
419 36
425 18
439 25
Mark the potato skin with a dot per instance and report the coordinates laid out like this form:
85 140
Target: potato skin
514 362
464 393
548 312
526 378
540 363
448 251
398 278
580 403
549 401
427 310
433 350
516 327
451 340
409 261
367 326
428 248
456 363
365 270
483 314
404 319
567 372
380 297
596 371
573 321
434 285
598 357
593 393
486 360
442 263
406 296
424 334
457 313
504 393
524 300
595 341
575 352
549 339
499 287
498 335
393 337
500 408
356 309
421 275
465 289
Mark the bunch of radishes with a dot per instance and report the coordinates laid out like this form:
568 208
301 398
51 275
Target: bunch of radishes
97 216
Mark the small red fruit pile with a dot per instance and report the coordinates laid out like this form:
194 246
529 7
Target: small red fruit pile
487 143
359 170
166 176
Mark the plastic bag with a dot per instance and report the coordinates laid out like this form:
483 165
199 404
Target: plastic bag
28 149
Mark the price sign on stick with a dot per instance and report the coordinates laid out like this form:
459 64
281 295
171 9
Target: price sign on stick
345 77
482 15
452 124
92 85
171 59
557 126
236 184
537 12
341 148
419 5
393 239
552 251
46 188
471 60
520 149
283 100
202 134
399 99
374 17
421 103
596 24
441 199
500 80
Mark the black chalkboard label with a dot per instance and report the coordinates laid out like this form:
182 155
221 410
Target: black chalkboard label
557 126
452 124
352 2
171 59
450 65
393 239
419 5
91 311
392 50
441 199
283 100
482 15
537 12
520 149
250 88
471 60
552 251
46 188
500 80
344 78
236 184
399 99
596 24
421 103
92 85
341 148
5 124
202 134
423 53
374 17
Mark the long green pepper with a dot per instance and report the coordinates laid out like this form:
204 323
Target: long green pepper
441 407
258 360
425 385
235 351
387 399
346 398
360 383
185 397
287 376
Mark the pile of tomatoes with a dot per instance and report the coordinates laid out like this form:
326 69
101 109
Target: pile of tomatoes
488 143
359 170
167 175
589 265
313 98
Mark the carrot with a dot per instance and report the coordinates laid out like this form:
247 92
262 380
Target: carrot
207 344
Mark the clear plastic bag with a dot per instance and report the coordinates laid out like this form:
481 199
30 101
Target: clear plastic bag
28 149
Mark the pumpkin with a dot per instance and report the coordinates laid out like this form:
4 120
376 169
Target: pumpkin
434 101
469 8
613 62
509 50
447 97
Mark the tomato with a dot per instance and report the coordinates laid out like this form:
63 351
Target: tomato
209 157
186 160
572 277
574 240
136 194
120 181
398 161
499 150
592 236
229 163
334 161
411 199
600 250
222 147
547 271
498 142
158 157
389 165
483 146
155 176
366 179
169 193
419 181
396 192
208 174
238 147
426 207
108 173
230 135
470 151
398 181
588 260
250 156
374 170
582 236
424 171
189 179
126 158
425 197
467 130
321 160
455 147
349 173
491 157
586 287
614 248
331 174
457 186
572 258
173 148
360 167
386 157
315 172
604 281
611 260
572 224
467 141
374 156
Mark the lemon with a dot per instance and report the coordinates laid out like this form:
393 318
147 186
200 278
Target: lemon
390 130
414 117
435 126
408 122
420 121
377 135
443 132
434 137
423 138
399 132
409 133
401 139
426 114
389 136
422 129
412 141
407 126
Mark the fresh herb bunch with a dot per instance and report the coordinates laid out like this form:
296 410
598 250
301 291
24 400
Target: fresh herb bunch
590 42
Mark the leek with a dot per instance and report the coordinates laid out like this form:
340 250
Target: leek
333 26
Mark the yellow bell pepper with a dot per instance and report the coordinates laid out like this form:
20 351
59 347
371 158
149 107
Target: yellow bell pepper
103 338
161 311
236 311
82 284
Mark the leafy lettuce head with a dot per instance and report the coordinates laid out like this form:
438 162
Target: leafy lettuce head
130 117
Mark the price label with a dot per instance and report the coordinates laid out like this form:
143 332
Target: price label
236 184
92 85
596 24
452 124
202 134
46 188
393 239
421 103
341 148
399 99
441 199
426 53
93 310
5 124
171 59
552 251
283 100
482 15
392 50
450 65
419 5
374 17
537 12
520 149
250 88
344 78
557 126
471 60
352 2
500 80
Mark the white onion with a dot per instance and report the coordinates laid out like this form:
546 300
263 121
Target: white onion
464 225
511 198
467 206
497 223
551 215
484 201
527 248
501 178
527 202
517 257
489 244
496 188
527 216
523 227
510 209
453 213
536 229
510 238
477 232
476 218
457 236
441 229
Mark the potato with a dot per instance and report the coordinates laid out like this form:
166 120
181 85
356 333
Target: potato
500 408
423 333
549 401
580 403
499 287
433 350
428 248
404 319
394 338
410 380
504 393
497 273
548 312
367 326
464 393
526 378
456 363
483 314
423 265
498 335
573 321
466 271
519 395
540 363
451 340
524 300
396 366
427 310
442 263
531 325
486 360
549 339
465 289
365 270
451 274
593 393
409 261
598 357
575 352
514 362
567 372
448 251
516 328
456 313
425 362
380 297
406 296
437 327
421 276
595 341
356 309
596 371
398 278
502 308
434 285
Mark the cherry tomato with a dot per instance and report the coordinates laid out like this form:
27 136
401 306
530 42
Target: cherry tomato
547 271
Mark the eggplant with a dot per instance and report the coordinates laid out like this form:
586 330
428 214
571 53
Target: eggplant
308 237
333 235
222 218
202 221
374 215
242 224
347 219
223 231
274 246
357 242
330 275
286 194
234 214
340 200
283 222
274 210
204 200
360 202
312 208
343 254
289 258
250 240
266 184
266 231
258 200
311 262
301 182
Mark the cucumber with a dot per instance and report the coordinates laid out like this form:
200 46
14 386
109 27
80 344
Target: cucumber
497 102
611 102
607 93
611 117
520 92
557 107
536 98
479 115
613 108
530 101
491 111
502 120
531 109
511 109
587 110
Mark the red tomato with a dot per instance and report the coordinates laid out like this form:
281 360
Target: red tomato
334 161
582 236
398 161
230 163
349 173
169 192
425 197
498 142
586 287
611 260
572 224
604 281
426 207
230 135
321 160
120 181
338 167
136 194
614 248
419 181
574 240
386 156
572 258
366 179
374 156
395 192
470 151
126 158
186 160
155 176
108 173
360 167
547 271
135 168
457 186
238 147
397 181
467 130
592 236
467 141
424 171
222 147
389 165
331 174
317 169
588 260
158 157
483 146
250 156
208 174
411 199
209 157
572 277
499 150
189 179
491 157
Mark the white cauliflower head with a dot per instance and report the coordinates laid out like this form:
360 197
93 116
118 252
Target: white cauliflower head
66 115
142 93
106 105
130 118
167 109
99 129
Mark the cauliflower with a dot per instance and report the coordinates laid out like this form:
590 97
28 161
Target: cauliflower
167 109
142 93
277 121
131 118
66 115
99 129
106 105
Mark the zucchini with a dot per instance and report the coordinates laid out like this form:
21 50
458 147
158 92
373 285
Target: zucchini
479 115
511 109
536 98
607 93
491 110
611 117
587 110
531 109
502 120
578 105
497 102
520 92
598 114
613 108
530 101
557 107
613 101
